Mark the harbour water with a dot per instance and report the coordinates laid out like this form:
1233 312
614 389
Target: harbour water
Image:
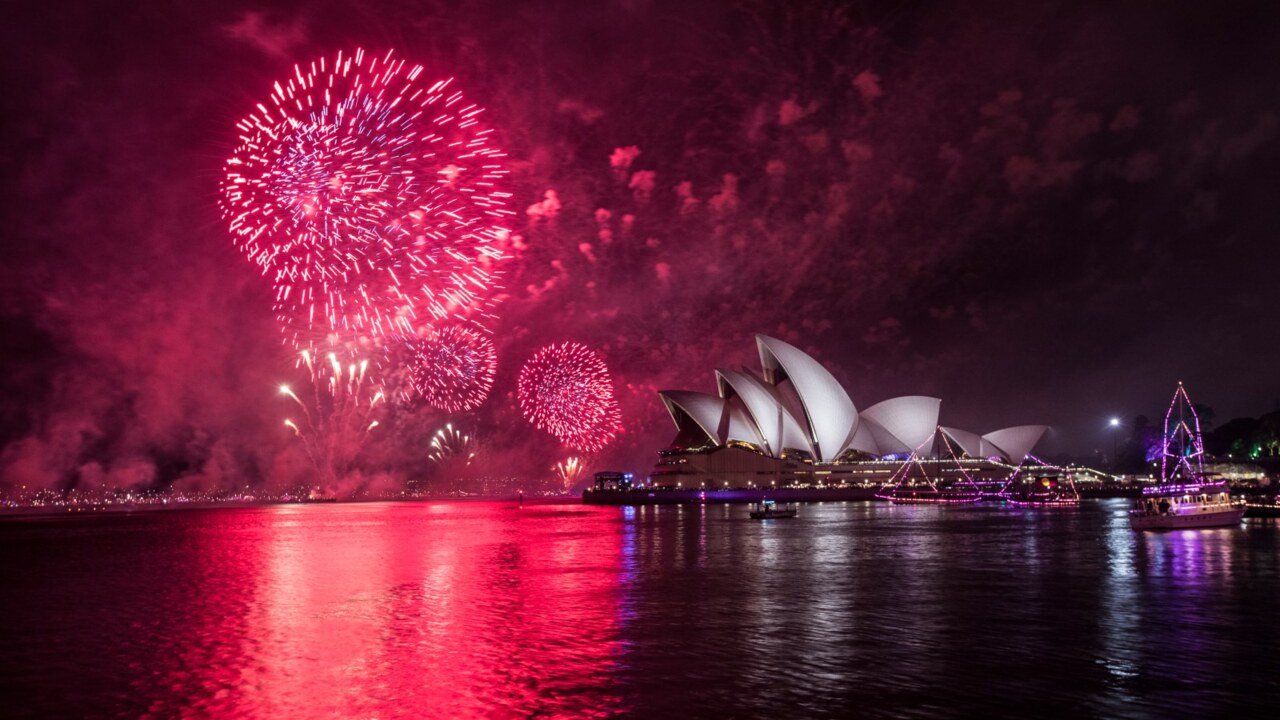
477 609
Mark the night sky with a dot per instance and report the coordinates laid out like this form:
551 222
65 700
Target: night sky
1039 212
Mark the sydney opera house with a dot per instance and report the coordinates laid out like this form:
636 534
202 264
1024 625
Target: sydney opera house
793 423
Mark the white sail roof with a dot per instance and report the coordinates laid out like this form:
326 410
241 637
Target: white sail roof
705 410
830 416
785 392
721 420
799 405
777 426
968 442
1014 443
902 424
863 440
741 427
989 450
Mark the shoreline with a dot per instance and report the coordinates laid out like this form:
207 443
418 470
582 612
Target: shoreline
81 510
654 496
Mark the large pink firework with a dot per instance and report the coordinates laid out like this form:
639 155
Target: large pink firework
372 199
566 391
453 368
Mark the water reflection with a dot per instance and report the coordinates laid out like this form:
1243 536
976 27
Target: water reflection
1121 609
491 610
1171 617
378 610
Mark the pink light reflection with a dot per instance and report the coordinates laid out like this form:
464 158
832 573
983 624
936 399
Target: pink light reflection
416 610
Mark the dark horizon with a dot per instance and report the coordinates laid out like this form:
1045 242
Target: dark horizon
1047 213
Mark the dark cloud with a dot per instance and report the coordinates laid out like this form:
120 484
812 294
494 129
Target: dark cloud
277 38
1050 213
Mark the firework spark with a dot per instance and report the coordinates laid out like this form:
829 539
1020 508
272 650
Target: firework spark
340 412
452 446
569 471
453 455
371 198
566 391
453 368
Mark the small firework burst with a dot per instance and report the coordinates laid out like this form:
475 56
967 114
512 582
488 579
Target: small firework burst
342 408
372 199
570 471
454 459
450 445
454 367
566 391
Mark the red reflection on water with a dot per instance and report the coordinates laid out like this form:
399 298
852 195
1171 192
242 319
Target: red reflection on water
417 610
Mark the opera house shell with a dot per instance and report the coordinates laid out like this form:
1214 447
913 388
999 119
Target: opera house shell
794 417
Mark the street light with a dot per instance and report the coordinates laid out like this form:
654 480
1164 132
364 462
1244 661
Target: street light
1115 443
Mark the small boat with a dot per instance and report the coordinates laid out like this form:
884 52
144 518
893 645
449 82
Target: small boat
768 510
931 496
1043 499
1263 509
1041 490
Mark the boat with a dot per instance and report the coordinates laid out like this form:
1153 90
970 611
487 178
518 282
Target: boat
1041 486
1263 509
1189 505
769 510
1046 497
930 496
913 485
1185 497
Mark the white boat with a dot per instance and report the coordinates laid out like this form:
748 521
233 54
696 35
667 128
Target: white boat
1184 497
1190 505
768 510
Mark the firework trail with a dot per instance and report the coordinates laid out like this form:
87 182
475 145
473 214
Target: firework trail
450 445
338 416
371 198
565 390
453 368
453 455
569 471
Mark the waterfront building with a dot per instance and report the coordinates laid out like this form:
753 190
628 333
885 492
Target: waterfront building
793 424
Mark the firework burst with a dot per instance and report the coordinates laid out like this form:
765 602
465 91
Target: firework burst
570 471
566 391
340 412
454 459
453 368
449 445
372 199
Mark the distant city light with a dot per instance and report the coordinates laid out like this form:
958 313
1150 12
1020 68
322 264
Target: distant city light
1115 422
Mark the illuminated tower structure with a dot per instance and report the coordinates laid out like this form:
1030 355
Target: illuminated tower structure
1185 497
1182 454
